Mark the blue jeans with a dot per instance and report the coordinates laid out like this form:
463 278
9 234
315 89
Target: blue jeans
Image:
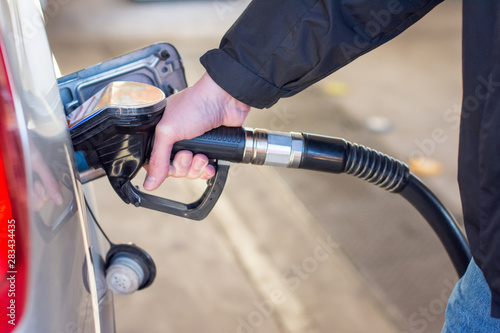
468 308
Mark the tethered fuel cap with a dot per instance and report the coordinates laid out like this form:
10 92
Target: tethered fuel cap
124 276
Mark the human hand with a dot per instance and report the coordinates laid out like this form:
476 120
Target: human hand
188 114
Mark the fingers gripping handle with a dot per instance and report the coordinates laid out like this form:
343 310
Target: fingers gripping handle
224 144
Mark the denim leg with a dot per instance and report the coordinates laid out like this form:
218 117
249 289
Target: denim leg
468 308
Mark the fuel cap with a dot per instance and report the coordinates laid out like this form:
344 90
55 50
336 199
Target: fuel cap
124 276
128 269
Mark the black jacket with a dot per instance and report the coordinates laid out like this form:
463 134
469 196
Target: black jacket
277 48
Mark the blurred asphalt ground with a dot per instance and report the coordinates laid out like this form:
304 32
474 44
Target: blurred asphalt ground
287 250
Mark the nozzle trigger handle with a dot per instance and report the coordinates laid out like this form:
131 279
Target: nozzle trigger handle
197 210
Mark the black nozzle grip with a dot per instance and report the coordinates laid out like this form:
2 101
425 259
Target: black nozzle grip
222 143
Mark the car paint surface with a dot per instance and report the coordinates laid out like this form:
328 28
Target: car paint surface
66 289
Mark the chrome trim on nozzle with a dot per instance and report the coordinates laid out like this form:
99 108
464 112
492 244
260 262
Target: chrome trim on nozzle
263 147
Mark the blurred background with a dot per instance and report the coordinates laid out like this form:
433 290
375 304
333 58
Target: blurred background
287 250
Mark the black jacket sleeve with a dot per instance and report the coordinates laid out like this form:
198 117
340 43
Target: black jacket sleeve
479 158
280 47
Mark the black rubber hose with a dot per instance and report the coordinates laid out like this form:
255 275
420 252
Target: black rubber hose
336 155
375 167
441 221
395 176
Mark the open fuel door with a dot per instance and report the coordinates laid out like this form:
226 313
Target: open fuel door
158 65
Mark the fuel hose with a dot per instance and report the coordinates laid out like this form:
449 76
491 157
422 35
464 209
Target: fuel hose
334 155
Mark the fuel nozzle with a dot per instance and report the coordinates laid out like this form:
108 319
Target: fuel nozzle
112 134
113 130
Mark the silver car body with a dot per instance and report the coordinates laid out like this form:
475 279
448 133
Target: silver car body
65 288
